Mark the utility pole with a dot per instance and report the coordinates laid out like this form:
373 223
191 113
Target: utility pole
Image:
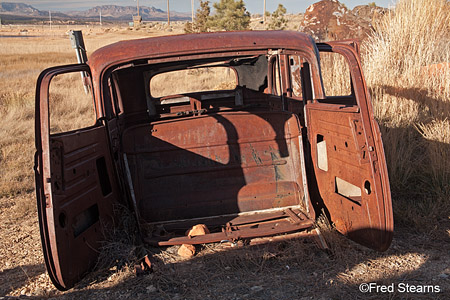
137 19
192 8
50 17
168 14
100 17
264 13
138 7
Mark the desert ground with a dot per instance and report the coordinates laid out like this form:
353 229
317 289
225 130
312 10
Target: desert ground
414 120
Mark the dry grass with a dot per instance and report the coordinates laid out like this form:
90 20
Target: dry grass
70 107
335 74
195 80
19 74
411 99
21 61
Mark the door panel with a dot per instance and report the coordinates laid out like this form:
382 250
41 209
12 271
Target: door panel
348 161
75 188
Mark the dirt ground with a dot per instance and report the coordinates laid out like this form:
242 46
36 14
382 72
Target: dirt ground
295 269
416 266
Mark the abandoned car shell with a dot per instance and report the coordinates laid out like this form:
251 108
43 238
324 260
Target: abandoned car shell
260 157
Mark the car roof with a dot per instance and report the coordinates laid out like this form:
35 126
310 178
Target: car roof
197 43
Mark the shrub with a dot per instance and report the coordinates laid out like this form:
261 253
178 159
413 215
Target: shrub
201 19
230 15
277 20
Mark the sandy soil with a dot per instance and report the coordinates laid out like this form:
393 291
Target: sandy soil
288 270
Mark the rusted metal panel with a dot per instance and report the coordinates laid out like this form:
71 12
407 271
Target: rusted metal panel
244 227
214 164
355 155
75 190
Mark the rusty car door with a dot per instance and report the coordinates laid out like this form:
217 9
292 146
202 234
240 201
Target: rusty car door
75 189
350 174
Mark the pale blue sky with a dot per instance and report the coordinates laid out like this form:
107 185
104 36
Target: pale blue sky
254 6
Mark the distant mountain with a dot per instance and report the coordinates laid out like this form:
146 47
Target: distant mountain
19 9
25 11
115 12
109 12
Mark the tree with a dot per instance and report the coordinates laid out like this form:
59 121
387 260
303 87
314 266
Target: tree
277 20
201 19
230 15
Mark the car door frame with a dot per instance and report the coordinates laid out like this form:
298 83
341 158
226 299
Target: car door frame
45 184
383 230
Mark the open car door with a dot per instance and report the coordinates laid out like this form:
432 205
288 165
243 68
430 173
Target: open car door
351 180
75 188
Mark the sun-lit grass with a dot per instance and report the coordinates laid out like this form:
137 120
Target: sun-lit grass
18 75
21 61
195 80
406 67
335 74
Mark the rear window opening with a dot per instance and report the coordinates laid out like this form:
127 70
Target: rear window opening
192 80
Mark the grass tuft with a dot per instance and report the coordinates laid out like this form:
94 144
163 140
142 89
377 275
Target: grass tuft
406 67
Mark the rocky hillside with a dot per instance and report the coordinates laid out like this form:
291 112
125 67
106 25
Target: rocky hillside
329 20
109 12
20 9
25 11
115 12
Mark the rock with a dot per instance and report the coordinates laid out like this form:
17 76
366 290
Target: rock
151 289
256 288
199 229
186 251
370 13
39 292
330 20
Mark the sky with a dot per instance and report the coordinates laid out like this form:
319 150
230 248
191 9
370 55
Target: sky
254 6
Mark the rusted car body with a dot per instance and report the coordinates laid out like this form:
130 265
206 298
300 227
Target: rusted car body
261 159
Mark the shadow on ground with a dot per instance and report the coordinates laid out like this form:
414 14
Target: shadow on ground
17 277
289 270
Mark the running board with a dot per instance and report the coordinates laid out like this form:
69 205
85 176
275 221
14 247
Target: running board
243 227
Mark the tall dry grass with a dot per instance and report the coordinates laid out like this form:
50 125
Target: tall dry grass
21 61
18 75
405 64
335 74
